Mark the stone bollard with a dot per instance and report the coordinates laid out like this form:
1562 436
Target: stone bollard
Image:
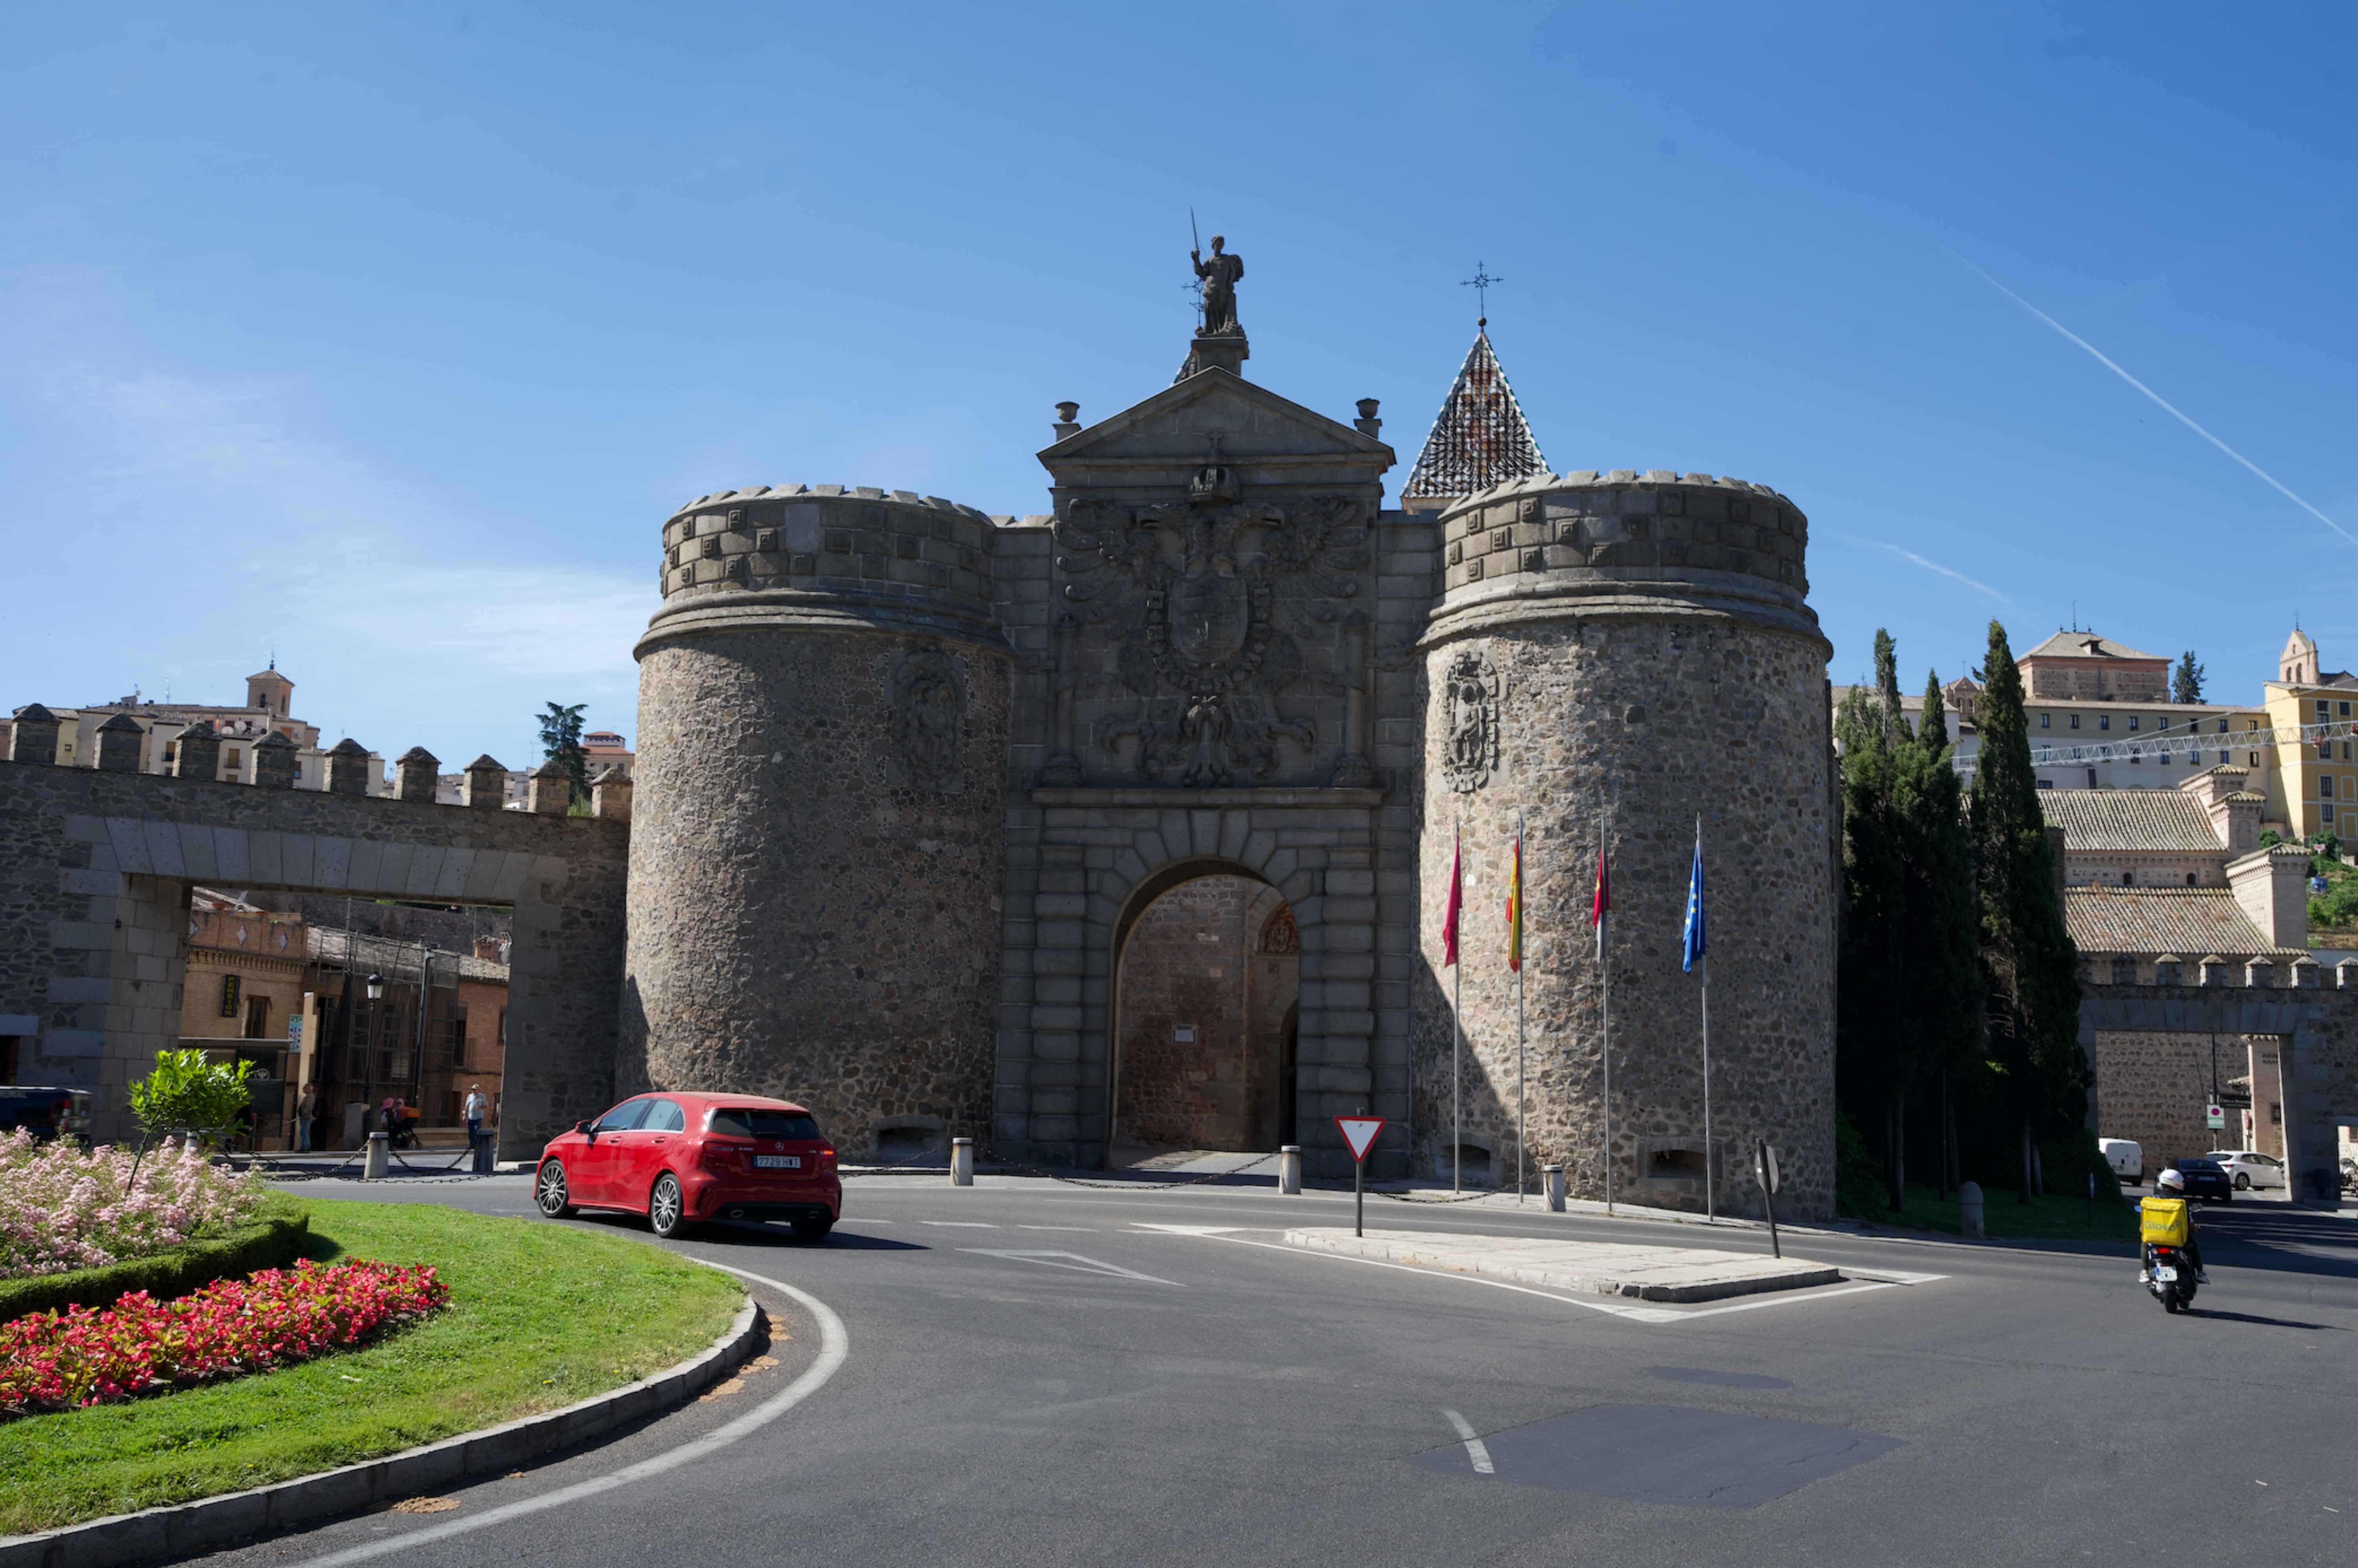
1554 1175
380 1157
1969 1210
961 1162
483 1142
1289 1169
610 796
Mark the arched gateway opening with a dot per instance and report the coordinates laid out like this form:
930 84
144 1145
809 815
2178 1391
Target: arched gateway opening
1208 983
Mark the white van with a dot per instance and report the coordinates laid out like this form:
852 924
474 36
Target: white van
2126 1159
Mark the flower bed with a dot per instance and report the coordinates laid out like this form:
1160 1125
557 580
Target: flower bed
61 1208
60 1360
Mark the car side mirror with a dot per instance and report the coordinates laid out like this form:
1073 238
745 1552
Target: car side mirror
586 1130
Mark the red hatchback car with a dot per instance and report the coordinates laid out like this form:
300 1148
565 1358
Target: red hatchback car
681 1159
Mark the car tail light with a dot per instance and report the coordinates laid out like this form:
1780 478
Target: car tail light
827 1153
722 1157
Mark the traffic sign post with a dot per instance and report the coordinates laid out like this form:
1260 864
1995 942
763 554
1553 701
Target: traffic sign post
2215 1116
1764 1166
1359 1135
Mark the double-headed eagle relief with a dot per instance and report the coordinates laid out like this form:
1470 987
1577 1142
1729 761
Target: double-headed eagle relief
1198 597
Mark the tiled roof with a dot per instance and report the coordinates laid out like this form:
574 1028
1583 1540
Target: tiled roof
2109 821
1480 437
2164 920
2077 645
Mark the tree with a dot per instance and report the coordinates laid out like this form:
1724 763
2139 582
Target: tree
2028 965
188 1094
2186 680
560 738
1909 998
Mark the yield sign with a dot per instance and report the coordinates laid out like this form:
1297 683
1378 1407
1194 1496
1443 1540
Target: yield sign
1359 1132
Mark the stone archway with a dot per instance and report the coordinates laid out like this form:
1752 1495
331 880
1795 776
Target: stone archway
1206 993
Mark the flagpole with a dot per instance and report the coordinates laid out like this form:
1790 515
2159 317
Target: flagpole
1702 963
1456 1023
1518 936
1605 968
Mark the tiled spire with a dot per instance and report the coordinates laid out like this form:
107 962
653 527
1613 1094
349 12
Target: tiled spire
1481 437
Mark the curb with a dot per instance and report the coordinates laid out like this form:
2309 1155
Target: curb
1801 1274
179 1528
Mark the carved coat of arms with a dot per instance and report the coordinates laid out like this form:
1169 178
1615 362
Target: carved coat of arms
1191 594
1469 708
928 719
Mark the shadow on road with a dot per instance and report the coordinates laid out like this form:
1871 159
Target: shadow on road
2263 1322
2280 1238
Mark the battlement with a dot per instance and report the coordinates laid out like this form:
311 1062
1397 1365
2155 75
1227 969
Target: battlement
1626 543
833 553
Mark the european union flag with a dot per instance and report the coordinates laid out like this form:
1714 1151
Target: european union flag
1694 935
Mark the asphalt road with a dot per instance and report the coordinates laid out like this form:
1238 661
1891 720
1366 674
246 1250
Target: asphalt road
1034 1377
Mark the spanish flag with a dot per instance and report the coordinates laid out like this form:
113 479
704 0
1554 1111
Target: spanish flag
1449 916
1515 906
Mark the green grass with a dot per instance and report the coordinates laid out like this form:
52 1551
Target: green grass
2004 1217
540 1316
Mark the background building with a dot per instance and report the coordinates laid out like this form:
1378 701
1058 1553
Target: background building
268 707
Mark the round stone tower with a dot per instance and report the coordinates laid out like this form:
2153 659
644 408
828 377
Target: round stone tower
819 811
1614 656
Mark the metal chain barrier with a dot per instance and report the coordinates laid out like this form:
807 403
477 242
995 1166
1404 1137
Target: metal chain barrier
1129 1186
1459 1198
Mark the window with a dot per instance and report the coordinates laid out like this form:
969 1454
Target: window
2222 730
2325 787
2321 711
456 1025
623 1116
257 1018
2128 878
2326 811
2222 757
2345 710
664 1116
2075 721
758 1121
2043 719
2104 721
2189 879
2132 723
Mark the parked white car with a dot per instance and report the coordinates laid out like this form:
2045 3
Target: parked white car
2248 1168
2126 1159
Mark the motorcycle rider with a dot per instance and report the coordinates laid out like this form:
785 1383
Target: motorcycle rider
2172 1185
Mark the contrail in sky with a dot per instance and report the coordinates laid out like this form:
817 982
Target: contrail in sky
1933 567
2160 400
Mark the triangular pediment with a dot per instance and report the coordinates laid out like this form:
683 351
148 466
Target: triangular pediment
1174 429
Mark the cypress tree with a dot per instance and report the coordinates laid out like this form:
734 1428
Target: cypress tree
2028 966
1945 1006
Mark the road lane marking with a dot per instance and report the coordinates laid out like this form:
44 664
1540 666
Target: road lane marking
1072 1260
1474 1448
1611 1309
1088 1227
961 1224
835 1347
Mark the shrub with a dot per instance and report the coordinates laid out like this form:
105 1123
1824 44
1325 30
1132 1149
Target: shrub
61 1360
272 1241
1858 1174
187 1093
62 1209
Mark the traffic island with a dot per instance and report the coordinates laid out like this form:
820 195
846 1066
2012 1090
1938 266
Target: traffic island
1590 1268
552 1333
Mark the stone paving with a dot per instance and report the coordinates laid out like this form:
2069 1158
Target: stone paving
1596 1268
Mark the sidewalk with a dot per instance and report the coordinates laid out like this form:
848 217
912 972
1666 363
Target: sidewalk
1595 1267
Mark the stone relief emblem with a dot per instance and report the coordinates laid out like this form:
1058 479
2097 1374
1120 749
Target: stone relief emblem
1197 597
1470 712
928 719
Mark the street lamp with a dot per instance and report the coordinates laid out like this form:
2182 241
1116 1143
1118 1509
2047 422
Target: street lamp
376 988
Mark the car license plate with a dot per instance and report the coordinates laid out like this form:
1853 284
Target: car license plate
2167 1276
777 1162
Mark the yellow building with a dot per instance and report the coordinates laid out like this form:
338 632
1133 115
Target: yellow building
2313 788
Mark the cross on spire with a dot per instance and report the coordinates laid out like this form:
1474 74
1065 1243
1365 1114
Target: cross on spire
1480 284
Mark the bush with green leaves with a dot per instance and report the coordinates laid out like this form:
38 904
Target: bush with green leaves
188 1094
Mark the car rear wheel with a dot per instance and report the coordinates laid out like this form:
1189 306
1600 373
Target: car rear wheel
550 1192
2243 1182
813 1230
667 1209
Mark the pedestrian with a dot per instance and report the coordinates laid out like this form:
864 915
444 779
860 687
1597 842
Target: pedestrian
476 1106
306 1107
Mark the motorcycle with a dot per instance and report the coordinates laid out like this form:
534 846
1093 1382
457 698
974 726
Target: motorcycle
2168 1276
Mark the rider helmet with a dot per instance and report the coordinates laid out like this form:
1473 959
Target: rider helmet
2171 1181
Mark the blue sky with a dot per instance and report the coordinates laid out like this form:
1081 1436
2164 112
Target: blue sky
387 336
